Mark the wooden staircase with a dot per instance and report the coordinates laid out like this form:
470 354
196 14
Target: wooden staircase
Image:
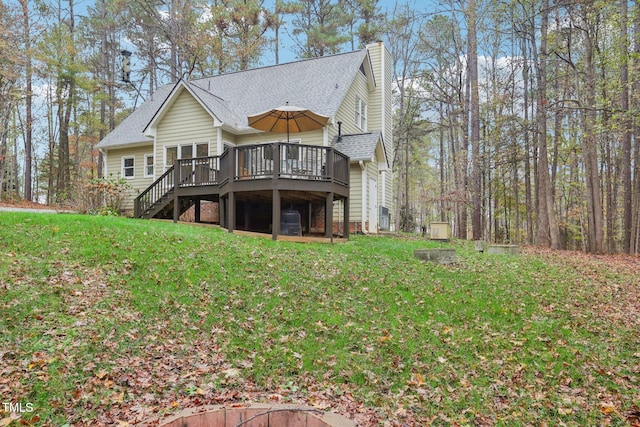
156 198
163 207
196 178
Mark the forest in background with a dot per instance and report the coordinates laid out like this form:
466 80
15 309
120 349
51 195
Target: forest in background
515 121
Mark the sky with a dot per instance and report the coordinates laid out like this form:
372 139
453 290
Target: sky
287 50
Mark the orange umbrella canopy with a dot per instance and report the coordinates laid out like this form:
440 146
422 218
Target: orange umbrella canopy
288 118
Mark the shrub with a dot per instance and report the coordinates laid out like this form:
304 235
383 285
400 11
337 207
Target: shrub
102 196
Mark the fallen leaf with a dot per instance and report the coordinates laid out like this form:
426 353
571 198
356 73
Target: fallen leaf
607 408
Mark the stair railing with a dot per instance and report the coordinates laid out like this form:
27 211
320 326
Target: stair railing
149 197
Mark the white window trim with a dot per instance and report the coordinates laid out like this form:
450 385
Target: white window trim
361 116
194 146
164 156
122 167
146 165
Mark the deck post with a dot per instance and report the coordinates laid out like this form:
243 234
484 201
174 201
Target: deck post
328 216
275 154
196 209
176 206
176 190
275 221
222 209
231 209
345 202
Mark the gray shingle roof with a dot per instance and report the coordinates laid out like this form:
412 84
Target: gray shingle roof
319 84
361 146
130 130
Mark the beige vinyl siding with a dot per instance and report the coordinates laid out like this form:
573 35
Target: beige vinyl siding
186 122
376 98
114 169
228 137
373 173
388 132
381 58
358 195
355 193
347 111
347 114
315 137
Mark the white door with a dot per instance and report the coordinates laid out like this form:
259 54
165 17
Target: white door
373 205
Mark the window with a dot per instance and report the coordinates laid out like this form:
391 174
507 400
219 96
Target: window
148 165
202 150
170 156
184 151
361 113
128 167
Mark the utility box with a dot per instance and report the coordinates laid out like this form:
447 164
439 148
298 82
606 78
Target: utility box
504 249
440 231
439 256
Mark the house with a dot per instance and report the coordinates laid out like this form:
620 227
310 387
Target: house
195 133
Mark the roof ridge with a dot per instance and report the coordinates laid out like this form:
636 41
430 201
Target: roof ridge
371 132
277 65
208 91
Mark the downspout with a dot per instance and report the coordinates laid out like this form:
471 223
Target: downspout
383 79
363 216
104 162
219 144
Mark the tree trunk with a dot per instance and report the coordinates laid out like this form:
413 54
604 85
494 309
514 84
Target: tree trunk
474 110
443 216
106 82
527 146
634 243
547 233
28 136
626 132
65 94
595 232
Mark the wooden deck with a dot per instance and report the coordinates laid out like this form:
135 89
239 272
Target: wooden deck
249 180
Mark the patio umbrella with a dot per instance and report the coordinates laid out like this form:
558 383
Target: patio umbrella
289 119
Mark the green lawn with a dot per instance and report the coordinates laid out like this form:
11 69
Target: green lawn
109 321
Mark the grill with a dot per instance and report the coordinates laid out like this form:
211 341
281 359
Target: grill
290 223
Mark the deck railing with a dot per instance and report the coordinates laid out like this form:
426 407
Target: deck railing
287 160
340 168
154 192
188 172
259 161
198 171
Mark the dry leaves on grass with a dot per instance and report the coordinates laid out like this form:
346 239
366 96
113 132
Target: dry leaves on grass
610 283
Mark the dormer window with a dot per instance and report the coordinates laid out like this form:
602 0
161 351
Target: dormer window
361 114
